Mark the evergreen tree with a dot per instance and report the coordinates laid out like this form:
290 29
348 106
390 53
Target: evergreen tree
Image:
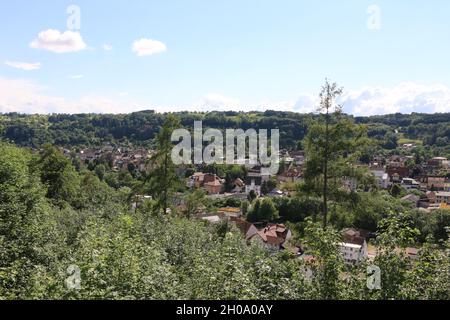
332 145
163 180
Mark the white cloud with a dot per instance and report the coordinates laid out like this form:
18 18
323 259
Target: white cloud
28 97
76 76
406 97
146 47
25 96
55 41
107 47
23 65
306 103
216 102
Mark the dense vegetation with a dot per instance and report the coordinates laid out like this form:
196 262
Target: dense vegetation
53 218
60 218
139 128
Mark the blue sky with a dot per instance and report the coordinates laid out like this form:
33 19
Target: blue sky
217 55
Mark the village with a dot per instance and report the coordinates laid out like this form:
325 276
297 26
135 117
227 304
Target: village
427 189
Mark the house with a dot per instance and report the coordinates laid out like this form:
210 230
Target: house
229 212
410 184
214 187
381 176
291 175
238 186
352 253
287 159
438 197
354 246
397 161
298 156
442 197
411 253
397 172
248 229
196 180
408 146
412 198
253 182
436 183
438 162
212 219
89 155
431 195
273 236
210 182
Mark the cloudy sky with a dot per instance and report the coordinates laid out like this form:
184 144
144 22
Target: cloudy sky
122 56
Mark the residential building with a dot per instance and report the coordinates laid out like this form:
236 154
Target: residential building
291 175
238 186
253 182
381 176
431 195
208 181
212 219
410 184
248 229
397 173
438 162
298 156
442 197
273 236
354 245
436 183
412 198
229 212
214 187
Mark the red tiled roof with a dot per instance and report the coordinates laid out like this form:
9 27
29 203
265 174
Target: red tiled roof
273 234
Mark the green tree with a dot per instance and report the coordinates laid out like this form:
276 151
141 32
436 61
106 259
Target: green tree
163 179
194 200
58 174
397 190
263 210
332 145
396 231
30 244
328 265
252 195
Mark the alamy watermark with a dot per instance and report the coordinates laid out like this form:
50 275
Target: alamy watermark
373 277
74 18
241 147
374 19
73 281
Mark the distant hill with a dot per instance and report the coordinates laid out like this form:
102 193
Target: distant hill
139 128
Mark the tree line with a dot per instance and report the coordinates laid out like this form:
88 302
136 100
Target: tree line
140 128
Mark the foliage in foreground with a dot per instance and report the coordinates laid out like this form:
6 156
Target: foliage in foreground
123 254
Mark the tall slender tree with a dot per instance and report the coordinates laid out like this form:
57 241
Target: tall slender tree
327 96
163 180
332 145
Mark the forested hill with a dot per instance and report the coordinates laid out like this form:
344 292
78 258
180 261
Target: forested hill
139 128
